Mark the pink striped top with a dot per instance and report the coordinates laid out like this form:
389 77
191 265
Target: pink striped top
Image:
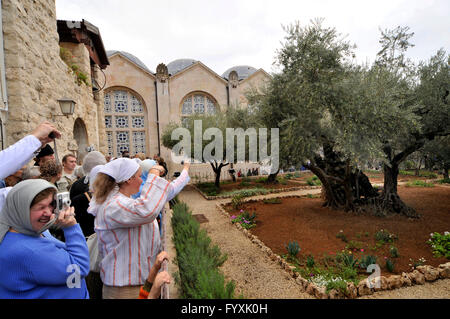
128 233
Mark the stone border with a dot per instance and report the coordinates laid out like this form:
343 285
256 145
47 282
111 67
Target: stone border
270 191
419 276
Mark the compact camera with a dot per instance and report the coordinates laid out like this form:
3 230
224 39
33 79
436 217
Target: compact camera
62 202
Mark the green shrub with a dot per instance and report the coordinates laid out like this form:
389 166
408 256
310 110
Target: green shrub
347 260
353 244
293 248
419 183
313 181
393 251
272 201
197 259
247 192
366 261
390 265
440 244
421 173
384 236
444 181
342 236
237 201
310 262
246 220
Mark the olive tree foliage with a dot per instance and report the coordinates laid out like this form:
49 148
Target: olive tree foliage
334 115
208 135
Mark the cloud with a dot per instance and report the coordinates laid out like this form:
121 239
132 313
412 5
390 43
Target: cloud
222 34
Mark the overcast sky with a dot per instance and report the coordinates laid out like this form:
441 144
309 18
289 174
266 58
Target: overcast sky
226 33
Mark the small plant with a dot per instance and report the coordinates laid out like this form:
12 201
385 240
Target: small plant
366 261
293 248
390 264
354 245
444 181
272 201
237 201
313 181
393 251
347 260
310 262
440 244
246 220
383 236
416 263
419 183
341 236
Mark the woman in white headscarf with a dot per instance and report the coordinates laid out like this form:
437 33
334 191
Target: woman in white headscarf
127 230
33 264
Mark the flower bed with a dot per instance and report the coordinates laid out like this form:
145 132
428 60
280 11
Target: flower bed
323 285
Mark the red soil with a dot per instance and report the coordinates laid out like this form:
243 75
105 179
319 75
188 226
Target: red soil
315 227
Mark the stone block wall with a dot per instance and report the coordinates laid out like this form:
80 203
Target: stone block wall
37 77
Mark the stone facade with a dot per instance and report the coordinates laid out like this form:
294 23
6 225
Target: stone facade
162 93
37 78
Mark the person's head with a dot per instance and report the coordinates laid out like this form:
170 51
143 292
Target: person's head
69 162
31 172
147 164
91 160
46 153
122 172
126 154
50 171
15 178
141 156
28 208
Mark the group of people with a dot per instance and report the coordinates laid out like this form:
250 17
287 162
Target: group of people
114 204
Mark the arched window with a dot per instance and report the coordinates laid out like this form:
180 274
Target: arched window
124 123
197 103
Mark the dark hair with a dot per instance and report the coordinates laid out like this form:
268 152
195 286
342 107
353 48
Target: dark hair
50 169
42 195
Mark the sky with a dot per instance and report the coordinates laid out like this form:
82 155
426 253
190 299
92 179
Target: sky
226 33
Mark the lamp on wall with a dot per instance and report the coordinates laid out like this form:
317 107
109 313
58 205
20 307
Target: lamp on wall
67 106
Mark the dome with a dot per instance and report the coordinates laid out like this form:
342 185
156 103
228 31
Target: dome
243 71
130 57
178 65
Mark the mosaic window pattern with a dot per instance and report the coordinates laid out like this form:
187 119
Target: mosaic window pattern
136 105
108 121
139 142
138 122
107 103
121 101
121 121
125 123
109 138
122 141
197 103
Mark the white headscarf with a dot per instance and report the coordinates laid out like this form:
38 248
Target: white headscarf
120 169
93 175
147 164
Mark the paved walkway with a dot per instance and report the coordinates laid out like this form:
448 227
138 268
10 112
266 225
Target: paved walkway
255 275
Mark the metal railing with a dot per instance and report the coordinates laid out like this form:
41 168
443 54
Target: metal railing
165 265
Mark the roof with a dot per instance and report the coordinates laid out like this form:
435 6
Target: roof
130 57
179 65
243 71
87 33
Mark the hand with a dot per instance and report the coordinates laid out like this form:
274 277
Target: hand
161 278
186 165
43 130
66 218
160 258
157 170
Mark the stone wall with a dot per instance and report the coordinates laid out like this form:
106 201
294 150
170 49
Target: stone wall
37 77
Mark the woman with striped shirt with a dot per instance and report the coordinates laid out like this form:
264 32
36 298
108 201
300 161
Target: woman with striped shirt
127 230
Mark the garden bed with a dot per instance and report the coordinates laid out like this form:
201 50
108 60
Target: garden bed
320 231
251 186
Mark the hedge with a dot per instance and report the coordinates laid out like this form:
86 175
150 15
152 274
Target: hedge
198 261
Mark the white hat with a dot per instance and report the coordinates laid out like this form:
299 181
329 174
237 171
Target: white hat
120 169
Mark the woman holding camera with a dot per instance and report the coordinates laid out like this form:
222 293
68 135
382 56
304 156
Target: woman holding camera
33 264
128 234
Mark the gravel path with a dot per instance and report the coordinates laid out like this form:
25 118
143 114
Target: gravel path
256 276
